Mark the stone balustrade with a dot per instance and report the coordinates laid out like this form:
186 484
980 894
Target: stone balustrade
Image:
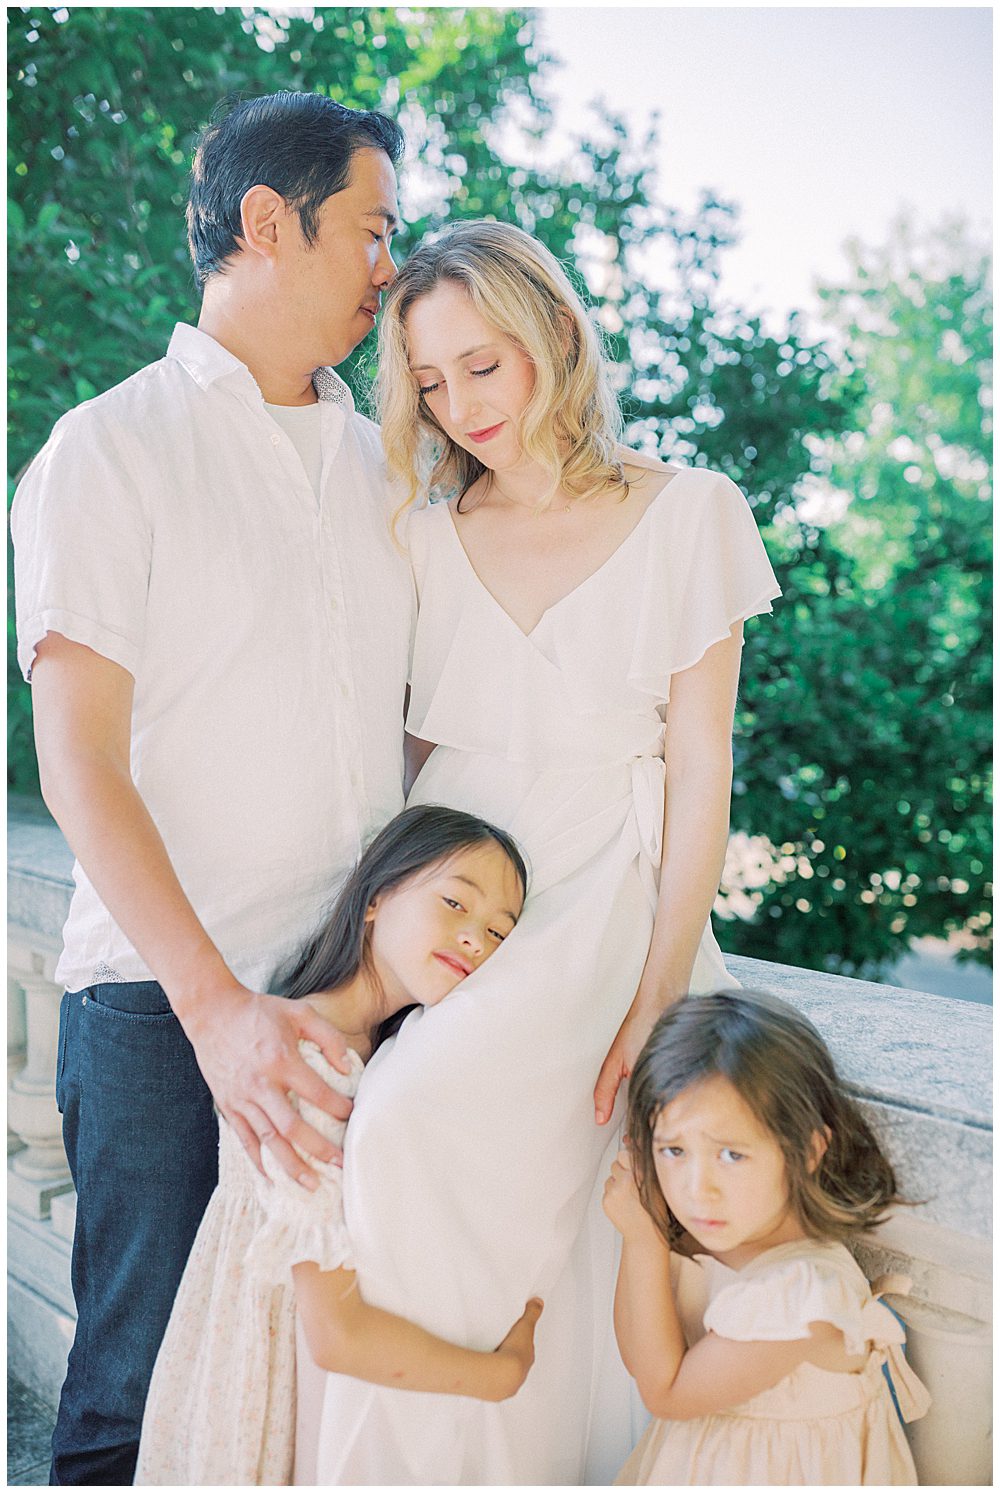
920 1064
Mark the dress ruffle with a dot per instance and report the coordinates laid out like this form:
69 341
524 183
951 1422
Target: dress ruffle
301 1226
296 1231
707 569
779 1303
558 696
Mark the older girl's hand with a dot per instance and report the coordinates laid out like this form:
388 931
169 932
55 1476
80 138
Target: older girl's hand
517 1351
623 1205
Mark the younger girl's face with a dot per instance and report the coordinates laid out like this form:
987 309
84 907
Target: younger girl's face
434 930
472 378
723 1173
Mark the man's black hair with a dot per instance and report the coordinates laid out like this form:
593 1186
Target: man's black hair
299 144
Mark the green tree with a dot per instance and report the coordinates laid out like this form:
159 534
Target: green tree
869 697
860 726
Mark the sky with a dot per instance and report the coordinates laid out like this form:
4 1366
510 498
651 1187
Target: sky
822 123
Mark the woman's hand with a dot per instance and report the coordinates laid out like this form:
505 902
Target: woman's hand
517 1351
621 1059
623 1205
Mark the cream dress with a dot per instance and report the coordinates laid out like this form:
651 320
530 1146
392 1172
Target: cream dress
222 1401
815 1427
473 1163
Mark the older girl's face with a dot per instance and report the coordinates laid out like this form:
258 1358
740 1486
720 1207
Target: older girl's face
433 930
473 379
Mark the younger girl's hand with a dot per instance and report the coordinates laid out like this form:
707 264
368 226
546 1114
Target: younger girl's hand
622 1203
517 1351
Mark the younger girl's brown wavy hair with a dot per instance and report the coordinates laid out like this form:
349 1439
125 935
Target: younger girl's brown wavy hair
779 1065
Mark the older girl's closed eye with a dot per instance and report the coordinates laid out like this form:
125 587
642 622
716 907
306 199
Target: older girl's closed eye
753 1336
430 901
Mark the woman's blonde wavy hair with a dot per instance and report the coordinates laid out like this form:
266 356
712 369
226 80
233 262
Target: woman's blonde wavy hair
571 425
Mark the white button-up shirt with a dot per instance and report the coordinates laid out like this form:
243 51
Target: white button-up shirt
170 526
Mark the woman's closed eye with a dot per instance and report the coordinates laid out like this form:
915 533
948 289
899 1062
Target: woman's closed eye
425 389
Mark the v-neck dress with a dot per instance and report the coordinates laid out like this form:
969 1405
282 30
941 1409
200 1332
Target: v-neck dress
473 1165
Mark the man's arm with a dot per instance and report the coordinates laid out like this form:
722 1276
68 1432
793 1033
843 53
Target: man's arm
246 1043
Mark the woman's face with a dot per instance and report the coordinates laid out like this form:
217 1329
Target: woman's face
473 379
428 934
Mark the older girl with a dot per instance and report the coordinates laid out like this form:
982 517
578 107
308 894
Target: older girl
574 678
433 897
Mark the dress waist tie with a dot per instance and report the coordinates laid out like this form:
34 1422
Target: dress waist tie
649 776
888 1336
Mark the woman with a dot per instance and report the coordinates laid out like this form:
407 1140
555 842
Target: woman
577 652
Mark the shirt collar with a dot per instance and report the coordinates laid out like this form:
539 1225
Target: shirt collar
207 361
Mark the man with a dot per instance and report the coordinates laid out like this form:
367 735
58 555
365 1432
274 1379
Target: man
215 621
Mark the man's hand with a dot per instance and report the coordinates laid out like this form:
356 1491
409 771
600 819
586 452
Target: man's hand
247 1049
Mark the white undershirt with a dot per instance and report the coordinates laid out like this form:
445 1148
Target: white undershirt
303 425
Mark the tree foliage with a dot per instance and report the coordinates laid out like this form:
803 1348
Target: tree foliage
860 778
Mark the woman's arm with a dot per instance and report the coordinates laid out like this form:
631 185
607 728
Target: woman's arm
698 755
347 1336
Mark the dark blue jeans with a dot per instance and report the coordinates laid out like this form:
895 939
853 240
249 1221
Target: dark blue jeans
142 1141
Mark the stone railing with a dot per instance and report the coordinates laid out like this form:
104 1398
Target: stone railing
920 1064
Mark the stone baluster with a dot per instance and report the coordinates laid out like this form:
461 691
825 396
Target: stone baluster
16 1045
38 1171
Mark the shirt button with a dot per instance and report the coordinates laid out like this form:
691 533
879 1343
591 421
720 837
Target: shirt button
275 440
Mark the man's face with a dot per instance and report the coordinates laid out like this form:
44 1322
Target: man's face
335 283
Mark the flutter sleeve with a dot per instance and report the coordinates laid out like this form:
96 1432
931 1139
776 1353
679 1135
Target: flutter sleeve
709 570
777 1305
300 1226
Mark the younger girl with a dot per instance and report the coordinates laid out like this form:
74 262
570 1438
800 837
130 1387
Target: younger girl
431 899
753 1336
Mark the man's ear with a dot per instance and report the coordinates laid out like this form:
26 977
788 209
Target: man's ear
262 210
818 1144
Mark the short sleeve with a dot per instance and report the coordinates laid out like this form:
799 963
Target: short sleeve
300 1226
82 542
706 570
777 1306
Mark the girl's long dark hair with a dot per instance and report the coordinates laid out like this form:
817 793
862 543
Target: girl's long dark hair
416 839
778 1063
